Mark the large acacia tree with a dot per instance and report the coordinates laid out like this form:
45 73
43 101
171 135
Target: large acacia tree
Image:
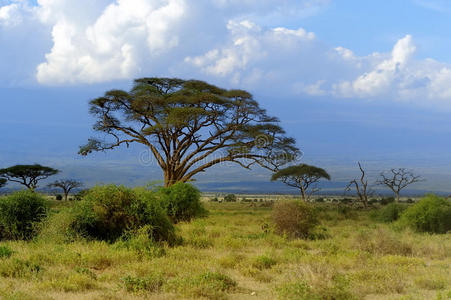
27 175
189 126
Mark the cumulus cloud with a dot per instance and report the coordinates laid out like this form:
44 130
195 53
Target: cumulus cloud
222 41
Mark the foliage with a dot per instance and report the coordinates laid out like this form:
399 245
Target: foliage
390 212
5 252
59 197
27 175
181 202
148 284
431 214
189 126
19 213
230 198
3 182
387 200
294 218
107 212
303 177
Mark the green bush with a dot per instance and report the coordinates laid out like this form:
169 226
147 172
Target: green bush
294 218
230 198
107 212
390 212
19 213
387 200
431 214
5 252
59 197
181 202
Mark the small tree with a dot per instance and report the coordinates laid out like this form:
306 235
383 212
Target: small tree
398 179
66 185
230 198
303 177
361 186
3 182
27 175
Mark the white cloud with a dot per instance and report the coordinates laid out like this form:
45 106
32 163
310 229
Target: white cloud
221 41
111 47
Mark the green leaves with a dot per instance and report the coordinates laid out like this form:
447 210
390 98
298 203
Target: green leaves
301 170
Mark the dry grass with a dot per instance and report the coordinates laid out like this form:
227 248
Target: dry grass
234 254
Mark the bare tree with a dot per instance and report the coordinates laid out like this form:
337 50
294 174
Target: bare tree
398 179
361 186
304 177
66 185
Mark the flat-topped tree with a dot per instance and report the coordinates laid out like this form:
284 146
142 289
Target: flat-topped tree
303 177
27 175
189 126
66 185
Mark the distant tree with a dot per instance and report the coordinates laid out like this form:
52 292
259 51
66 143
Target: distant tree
66 185
303 177
361 187
3 182
27 175
230 198
189 126
398 179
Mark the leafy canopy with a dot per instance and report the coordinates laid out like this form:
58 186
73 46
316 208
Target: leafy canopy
300 171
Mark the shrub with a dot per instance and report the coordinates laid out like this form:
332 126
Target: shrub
149 284
230 198
387 200
5 252
107 212
294 218
19 213
431 214
59 197
390 213
181 202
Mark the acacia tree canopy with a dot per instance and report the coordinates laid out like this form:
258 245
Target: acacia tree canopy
189 126
27 175
303 177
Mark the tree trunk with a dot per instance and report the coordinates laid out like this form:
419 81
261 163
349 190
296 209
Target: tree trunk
397 197
303 194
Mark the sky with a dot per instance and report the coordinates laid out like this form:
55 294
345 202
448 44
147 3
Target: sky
351 80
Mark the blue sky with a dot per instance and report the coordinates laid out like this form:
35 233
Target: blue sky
350 80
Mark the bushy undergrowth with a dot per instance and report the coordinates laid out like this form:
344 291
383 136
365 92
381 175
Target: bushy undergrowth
19 213
296 219
431 214
107 212
389 213
181 202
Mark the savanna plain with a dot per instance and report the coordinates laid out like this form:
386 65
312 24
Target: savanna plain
233 252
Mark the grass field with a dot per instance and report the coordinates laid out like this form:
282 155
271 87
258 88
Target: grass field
233 254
